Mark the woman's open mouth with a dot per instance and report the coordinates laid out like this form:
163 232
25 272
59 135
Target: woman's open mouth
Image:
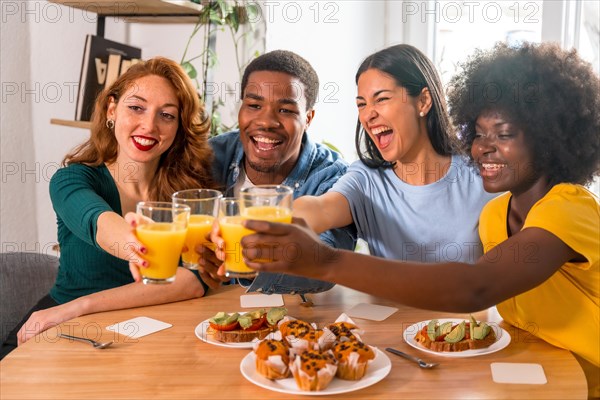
144 143
383 136
491 170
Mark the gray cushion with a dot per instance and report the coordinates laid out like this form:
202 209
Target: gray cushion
24 279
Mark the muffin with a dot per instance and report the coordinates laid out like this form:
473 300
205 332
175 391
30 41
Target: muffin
291 329
312 340
313 370
272 359
343 331
353 358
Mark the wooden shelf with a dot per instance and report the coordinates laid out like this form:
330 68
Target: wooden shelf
155 11
72 124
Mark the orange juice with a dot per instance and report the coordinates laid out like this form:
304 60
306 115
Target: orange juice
164 242
269 213
199 227
232 232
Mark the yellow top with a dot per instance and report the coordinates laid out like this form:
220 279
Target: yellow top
564 310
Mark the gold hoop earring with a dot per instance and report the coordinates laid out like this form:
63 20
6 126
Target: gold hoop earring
110 124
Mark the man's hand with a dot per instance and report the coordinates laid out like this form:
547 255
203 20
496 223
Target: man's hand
209 267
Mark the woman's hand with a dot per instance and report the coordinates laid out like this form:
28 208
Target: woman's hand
289 248
43 320
135 247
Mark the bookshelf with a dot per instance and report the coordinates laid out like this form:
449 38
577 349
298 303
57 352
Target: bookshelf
139 11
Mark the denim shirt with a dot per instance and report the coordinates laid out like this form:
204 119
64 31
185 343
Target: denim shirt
317 169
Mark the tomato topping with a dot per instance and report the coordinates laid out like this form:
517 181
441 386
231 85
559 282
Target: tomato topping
229 327
257 323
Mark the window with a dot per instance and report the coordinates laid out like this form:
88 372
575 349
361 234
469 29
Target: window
588 33
464 26
459 27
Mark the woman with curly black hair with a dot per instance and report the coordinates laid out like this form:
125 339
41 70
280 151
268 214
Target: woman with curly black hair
531 117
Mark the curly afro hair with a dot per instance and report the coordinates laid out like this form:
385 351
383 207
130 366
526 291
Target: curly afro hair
551 94
289 63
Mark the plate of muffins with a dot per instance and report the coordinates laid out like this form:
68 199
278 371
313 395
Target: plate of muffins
310 361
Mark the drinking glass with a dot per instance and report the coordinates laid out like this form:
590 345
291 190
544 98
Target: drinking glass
263 202
162 230
204 205
267 202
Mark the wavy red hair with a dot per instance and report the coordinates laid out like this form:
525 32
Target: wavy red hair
187 163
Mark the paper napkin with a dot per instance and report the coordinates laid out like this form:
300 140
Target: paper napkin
138 327
373 312
261 300
518 373
362 247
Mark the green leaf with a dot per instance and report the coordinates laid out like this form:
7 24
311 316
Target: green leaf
190 70
216 18
223 7
332 147
252 11
212 59
216 117
233 20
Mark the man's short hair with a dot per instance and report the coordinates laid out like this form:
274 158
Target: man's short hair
289 63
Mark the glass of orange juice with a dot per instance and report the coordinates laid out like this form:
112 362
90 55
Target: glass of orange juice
263 202
162 229
204 205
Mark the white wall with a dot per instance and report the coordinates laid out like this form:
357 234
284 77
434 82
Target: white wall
42 45
41 49
17 194
334 37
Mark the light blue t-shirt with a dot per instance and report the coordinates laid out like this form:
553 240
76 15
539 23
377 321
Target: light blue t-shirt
431 223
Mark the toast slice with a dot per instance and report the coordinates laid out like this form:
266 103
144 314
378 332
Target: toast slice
239 335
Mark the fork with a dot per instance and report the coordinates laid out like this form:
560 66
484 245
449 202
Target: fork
421 363
97 345
306 302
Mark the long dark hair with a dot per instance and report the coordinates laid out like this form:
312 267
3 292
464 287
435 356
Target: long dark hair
412 70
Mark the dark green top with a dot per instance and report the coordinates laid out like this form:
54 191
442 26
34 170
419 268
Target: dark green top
79 195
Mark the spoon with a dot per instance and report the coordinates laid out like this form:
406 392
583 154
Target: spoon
421 363
97 345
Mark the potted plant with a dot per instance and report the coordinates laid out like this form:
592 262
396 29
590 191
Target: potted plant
239 17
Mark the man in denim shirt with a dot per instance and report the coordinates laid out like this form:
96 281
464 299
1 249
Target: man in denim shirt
279 90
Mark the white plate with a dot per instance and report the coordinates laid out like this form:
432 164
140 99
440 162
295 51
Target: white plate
503 339
203 334
378 370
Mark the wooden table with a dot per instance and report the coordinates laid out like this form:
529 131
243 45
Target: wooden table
175 364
